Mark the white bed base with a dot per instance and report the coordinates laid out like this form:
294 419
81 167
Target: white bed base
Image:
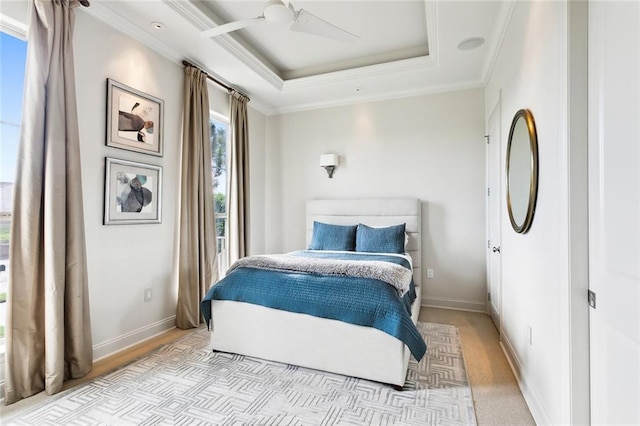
320 343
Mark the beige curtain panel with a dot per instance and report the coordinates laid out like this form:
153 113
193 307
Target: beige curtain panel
197 252
238 204
48 336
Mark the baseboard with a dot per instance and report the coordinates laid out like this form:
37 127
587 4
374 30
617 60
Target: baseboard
457 304
530 396
104 349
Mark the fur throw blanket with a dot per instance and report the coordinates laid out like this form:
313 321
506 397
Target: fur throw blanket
395 275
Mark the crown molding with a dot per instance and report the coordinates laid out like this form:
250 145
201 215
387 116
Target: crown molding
497 38
370 71
123 25
203 21
194 14
250 60
431 18
354 74
430 60
400 94
13 27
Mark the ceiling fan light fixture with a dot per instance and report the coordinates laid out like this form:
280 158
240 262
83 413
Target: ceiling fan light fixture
277 12
471 43
283 12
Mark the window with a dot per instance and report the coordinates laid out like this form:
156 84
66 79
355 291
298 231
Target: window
13 52
219 144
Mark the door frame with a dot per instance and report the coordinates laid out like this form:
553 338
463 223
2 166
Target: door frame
494 195
575 190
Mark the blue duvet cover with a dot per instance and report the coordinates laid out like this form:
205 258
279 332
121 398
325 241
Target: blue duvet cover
359 301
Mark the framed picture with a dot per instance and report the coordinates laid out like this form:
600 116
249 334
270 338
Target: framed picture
134 119
133 192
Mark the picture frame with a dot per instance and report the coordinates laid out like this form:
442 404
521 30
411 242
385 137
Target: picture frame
135 120
133 192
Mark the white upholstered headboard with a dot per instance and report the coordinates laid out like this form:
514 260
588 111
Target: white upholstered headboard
373 212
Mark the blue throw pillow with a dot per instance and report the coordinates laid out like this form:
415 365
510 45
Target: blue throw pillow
389 239
333 237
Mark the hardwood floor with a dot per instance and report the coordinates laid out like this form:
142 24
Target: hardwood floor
496 395
100 367
128 355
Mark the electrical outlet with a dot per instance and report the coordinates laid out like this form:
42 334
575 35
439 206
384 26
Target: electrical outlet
429 273
147 294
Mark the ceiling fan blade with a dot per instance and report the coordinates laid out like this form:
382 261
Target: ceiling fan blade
232 26
305 22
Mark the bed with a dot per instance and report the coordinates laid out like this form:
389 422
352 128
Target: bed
324 343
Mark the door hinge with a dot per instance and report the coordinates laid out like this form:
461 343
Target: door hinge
592 299
488 244
487 138
488 192
489 296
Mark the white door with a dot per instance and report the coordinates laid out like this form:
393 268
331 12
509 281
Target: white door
494 223
614 211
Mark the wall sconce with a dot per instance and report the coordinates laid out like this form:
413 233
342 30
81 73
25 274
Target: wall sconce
329 162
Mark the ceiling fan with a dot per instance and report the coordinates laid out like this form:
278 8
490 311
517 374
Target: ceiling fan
283 12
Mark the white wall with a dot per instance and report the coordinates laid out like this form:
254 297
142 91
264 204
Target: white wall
124 260
531 72
258 190
429 147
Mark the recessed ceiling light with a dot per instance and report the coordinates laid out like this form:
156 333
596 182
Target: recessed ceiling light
471 43
157 25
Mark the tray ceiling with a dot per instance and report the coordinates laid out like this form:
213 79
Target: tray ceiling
406 47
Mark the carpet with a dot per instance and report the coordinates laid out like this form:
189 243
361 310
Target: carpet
184 383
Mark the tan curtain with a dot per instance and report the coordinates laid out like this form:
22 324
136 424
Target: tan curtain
197 252
238 204
48 336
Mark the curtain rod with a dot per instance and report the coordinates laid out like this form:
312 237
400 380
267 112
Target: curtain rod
215 80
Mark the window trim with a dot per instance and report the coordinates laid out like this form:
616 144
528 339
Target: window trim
223 255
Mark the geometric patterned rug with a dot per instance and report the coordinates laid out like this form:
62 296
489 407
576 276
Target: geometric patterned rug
184 383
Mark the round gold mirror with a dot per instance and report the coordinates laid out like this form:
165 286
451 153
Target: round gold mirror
522 171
